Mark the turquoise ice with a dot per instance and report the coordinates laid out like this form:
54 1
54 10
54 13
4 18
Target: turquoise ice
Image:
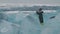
27 22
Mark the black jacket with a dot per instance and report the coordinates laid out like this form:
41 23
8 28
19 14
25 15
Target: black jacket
39 12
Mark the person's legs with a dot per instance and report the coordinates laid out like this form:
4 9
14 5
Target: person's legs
41 18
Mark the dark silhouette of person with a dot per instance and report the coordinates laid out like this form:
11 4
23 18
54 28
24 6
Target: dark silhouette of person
39 12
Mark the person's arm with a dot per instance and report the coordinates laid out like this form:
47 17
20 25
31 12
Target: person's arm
41 12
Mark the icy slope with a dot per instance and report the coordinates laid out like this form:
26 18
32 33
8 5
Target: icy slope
27 22
52 26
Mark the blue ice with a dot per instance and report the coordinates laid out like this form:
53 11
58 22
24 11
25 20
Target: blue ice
27 22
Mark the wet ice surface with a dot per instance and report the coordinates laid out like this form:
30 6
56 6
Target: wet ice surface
8 28
27 22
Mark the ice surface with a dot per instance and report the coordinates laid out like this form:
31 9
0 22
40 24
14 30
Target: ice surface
27 22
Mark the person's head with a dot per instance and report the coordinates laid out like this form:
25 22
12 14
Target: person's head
40 9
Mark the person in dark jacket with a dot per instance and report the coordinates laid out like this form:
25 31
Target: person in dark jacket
39 12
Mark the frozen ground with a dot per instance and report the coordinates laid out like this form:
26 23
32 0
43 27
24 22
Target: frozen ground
27 22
